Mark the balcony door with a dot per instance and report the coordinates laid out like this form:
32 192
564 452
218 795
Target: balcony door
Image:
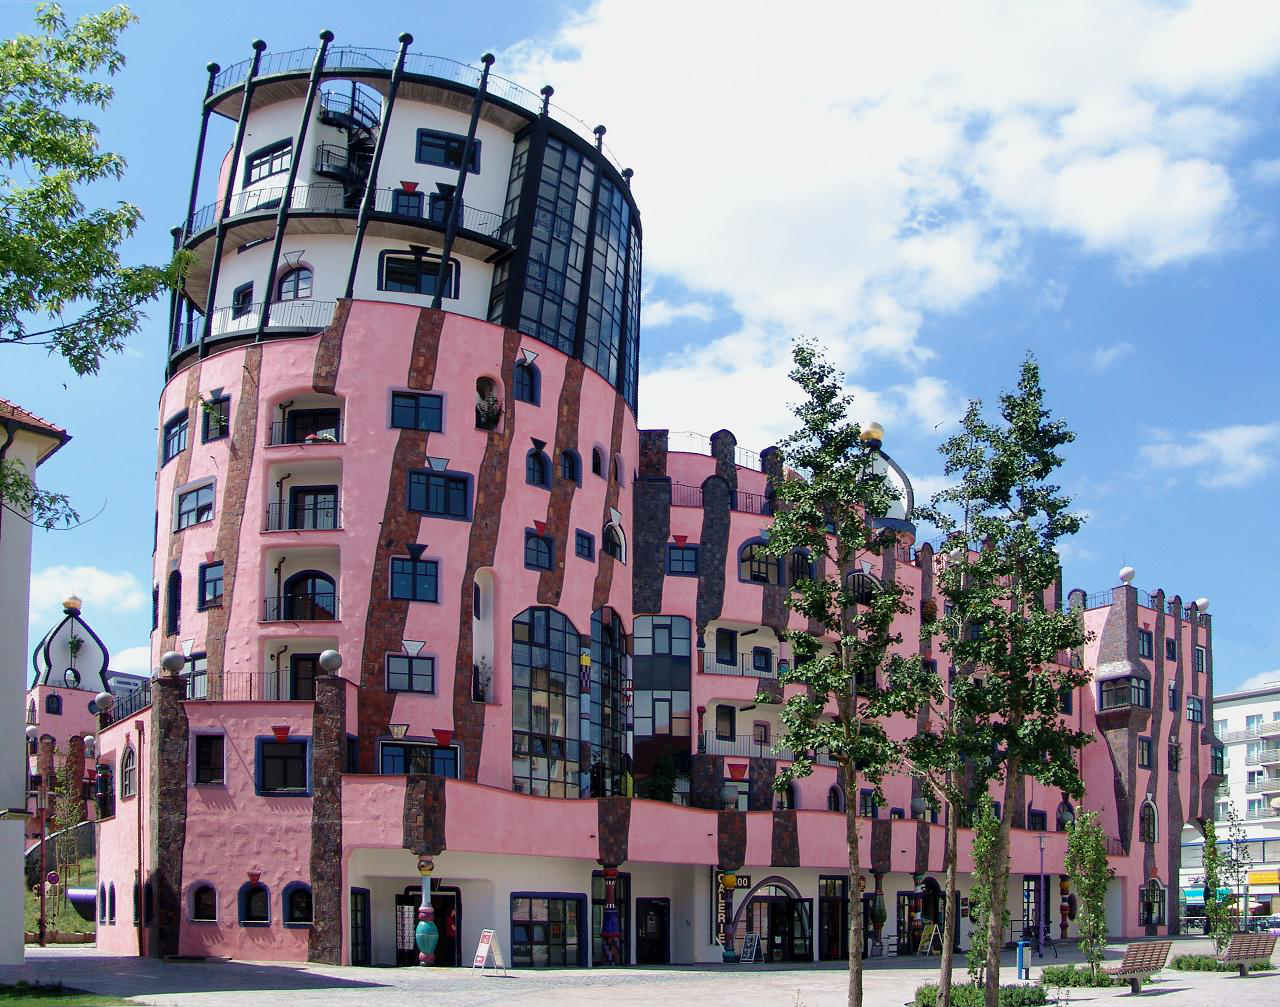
313 508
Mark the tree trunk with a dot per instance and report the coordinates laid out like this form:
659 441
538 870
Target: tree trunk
949 923
999 891
855 897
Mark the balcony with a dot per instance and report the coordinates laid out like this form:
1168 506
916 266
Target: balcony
350 109
128 705
744 745
1266 757
742 501
1260 814
304 516
261 686
301 606
746 666
244 319
1271 785
287 431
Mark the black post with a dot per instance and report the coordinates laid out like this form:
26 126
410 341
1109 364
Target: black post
175 305
619 377
220 234
523 231
589 251
371 184
282 215
175 297
455 204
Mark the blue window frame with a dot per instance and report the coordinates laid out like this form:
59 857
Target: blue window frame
682 560
538 551
527 384
537 469
415 579
175 437
242 300
445 150
417 411
296 900
571 466
584 544
195 506
254 904
210 586
215 419
283 768
1171 649
762 660
411 674
1145 753
405 203
440 494
1195 710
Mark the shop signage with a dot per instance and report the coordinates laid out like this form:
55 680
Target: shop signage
750 949
1264 877
486 946
722 900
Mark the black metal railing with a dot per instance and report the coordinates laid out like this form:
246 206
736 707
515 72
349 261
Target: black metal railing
684 495
282 433
129 704
303 516
743 744
350 106
279 685
743 501
336 159
745 665
316 606
232 320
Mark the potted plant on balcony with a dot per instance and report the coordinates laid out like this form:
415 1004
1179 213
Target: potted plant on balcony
488 410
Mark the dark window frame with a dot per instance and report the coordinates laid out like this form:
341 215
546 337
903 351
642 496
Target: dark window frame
726 646
1146 753
195 915
537 469
261 754
536 542
571 466
526 383
1171 648
1146 644
295 277
434 756
427 410
420 571
412 674
407 204
249 890
202 763
268 157
449 157
393 255
682 560
242 300
1195 710
292 890
176 428
190 517
451 482
730 715
584 545
215 419
204 582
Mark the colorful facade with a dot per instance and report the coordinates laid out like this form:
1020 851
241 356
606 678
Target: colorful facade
437 613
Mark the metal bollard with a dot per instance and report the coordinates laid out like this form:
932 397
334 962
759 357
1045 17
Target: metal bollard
1024 965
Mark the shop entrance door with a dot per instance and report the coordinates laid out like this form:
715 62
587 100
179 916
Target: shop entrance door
406 924
653 928
360 927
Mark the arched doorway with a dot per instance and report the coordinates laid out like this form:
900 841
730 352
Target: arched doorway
782 917
310 595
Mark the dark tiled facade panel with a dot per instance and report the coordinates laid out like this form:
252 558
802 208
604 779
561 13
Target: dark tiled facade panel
424 815
785 846
706 779
713 550
324 375
881 845
723 444
490 490
653 452
235 491
167 765
328 738
651 526
385 620
613 829
560 504
605 563
731 839
760 777
922 847
773 597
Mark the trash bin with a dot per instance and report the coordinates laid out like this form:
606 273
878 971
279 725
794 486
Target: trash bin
1024 960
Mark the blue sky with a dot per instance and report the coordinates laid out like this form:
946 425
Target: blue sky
931 196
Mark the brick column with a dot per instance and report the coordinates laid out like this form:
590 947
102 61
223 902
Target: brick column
166 767
75 768
328 736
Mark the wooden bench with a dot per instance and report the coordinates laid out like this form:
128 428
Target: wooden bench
1244 950
1141 961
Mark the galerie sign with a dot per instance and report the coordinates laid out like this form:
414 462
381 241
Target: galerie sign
722 899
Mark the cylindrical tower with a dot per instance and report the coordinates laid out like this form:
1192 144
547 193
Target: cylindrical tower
442 495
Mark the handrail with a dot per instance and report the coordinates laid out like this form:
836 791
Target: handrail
230 320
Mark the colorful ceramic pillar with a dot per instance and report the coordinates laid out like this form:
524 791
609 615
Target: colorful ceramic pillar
610 924
426 936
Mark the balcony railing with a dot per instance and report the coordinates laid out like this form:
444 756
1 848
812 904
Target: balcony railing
318 606
745 745
743 501
745 667
231 320
1266 757
270 686
303 517
350 106
281 434
129 704
1258 814
1271 785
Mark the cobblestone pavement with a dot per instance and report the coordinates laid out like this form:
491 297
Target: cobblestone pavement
889 983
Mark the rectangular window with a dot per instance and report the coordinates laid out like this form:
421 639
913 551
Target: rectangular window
282 767
268 161
1253 723
415 579
195 506
1218 760
1145 644
760 732
406 204
215 419
762 660
584 544
416 411
1195 710
311 508
1144 753
1140 690
242 300
440 494
1065 699
445 150
1198 663
411 674
538 551
417 274
867 806
1173 698
1175 754
209 759
419 760
1037 821
175 437
682 560
727 647
1219 727
210 586
726 722
1171 649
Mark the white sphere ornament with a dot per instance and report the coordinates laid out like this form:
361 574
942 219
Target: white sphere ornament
173 662
1202 604
330 661
103 701
1126 574
33 732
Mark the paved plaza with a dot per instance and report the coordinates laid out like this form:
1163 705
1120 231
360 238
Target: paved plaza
889 983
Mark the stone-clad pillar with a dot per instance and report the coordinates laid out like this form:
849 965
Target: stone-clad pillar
75 768
166 766
328 738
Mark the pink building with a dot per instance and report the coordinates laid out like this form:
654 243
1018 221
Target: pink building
436 613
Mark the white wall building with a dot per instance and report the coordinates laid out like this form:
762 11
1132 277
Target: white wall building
26 440
1248 724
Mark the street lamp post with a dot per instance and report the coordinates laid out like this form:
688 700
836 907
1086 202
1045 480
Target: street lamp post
1040 902
41 793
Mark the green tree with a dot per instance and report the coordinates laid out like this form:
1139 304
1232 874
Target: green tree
66 809
855 679
999 571
63 286
986 845
1226 866
1087 866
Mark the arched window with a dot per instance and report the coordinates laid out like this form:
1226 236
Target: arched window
1066 815
802 567
597 462
787 798
835 799
309 595
102 903
173 603
861 587
571 466
53 703
1152 913
255 905
537 469
129 773
546 754
488 407
613 544
1147 832
31 711
295 285
297 905
755 565
111 903
527 383
537 551
204 904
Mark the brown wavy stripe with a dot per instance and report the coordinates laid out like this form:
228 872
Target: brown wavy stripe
491 490
240 451
182 470
324 377
731 839
785 840
559 507
605 564
385 620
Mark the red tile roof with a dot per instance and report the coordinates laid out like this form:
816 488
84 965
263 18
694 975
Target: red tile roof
32 422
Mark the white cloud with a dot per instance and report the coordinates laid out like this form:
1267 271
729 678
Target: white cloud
656 312
1259 681
100 590
1224 457
1266 172
901 175
1105 356
132 660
